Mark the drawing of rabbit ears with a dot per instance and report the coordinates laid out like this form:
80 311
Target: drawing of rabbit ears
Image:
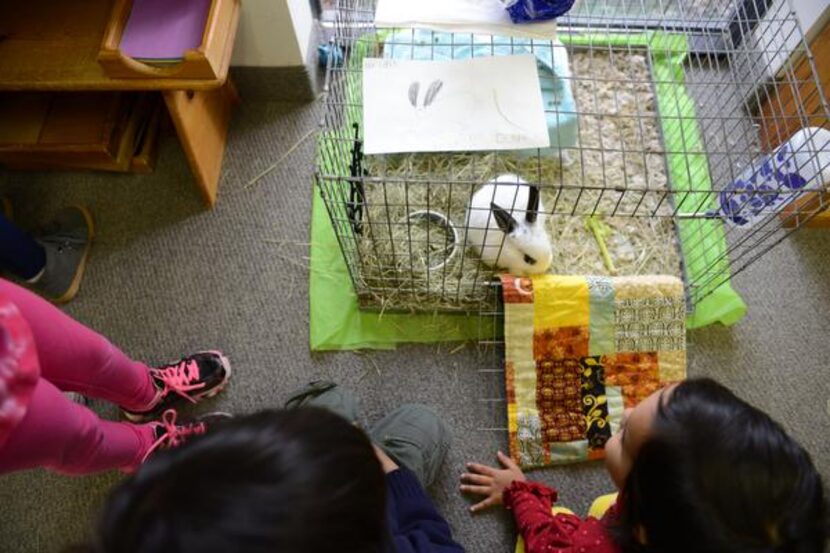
432 92
506 222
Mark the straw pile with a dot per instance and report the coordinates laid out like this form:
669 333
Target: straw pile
619 156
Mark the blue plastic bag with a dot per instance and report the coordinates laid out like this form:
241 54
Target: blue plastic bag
324 51
529 11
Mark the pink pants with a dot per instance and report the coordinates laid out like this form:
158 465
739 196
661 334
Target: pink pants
57 433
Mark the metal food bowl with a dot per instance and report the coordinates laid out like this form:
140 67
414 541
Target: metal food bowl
450 234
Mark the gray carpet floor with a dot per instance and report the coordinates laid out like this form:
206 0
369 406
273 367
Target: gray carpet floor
167 277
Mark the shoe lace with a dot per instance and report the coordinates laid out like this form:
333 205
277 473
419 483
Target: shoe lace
179 378
174 435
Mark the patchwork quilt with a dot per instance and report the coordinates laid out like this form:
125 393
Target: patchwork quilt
578 351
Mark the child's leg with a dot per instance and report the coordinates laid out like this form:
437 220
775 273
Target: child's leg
59 434
76 359
415 437
326 395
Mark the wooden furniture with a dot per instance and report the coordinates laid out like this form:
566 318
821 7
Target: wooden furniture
56 45
209 61
805 206
780 117
80 130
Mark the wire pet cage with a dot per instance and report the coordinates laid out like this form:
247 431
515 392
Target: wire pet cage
676 149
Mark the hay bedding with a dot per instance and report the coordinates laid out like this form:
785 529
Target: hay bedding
619 150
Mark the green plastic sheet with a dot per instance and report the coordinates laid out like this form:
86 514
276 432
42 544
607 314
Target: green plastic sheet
336 321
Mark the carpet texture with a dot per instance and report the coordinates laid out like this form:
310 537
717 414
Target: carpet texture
167 277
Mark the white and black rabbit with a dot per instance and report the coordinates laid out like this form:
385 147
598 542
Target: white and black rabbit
506 226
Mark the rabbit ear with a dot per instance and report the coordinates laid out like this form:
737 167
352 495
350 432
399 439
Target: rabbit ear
432 91
413 93
506 222
532 205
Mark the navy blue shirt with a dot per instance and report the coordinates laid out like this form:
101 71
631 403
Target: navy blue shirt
415 525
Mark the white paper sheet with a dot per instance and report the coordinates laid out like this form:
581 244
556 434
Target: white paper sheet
469 16
491 103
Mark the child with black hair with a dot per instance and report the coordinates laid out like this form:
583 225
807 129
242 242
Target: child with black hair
302 480
699 471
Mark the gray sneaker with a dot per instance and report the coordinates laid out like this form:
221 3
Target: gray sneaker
414 436
326 395
66 240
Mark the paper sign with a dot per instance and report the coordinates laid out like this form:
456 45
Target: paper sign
491 103
473 16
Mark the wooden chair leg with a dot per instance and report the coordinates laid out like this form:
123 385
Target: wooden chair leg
202 119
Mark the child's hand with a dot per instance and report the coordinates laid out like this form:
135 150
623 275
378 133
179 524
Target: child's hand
386 463
490 481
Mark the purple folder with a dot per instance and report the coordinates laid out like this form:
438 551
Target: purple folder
164 29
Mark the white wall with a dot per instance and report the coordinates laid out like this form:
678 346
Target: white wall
303 21
273 33
808 12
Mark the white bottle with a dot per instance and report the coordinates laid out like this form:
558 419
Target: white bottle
770 183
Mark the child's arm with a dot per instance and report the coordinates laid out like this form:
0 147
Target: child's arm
415 525
531 504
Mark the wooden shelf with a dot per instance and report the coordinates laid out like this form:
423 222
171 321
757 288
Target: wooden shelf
54 45
791 106
807 205
793 101
106 131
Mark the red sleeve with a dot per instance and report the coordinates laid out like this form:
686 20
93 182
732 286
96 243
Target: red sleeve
543 531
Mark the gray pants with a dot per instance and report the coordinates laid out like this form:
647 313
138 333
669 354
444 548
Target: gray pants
414 436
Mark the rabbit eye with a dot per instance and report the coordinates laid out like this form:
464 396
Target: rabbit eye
529 260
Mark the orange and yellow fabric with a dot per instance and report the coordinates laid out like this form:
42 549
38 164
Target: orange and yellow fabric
578 351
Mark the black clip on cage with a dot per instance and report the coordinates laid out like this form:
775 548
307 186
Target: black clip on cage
354 207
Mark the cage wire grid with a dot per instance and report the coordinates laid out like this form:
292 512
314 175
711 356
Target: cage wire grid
739 80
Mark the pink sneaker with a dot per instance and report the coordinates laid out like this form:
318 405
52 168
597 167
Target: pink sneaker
196 377
169 434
